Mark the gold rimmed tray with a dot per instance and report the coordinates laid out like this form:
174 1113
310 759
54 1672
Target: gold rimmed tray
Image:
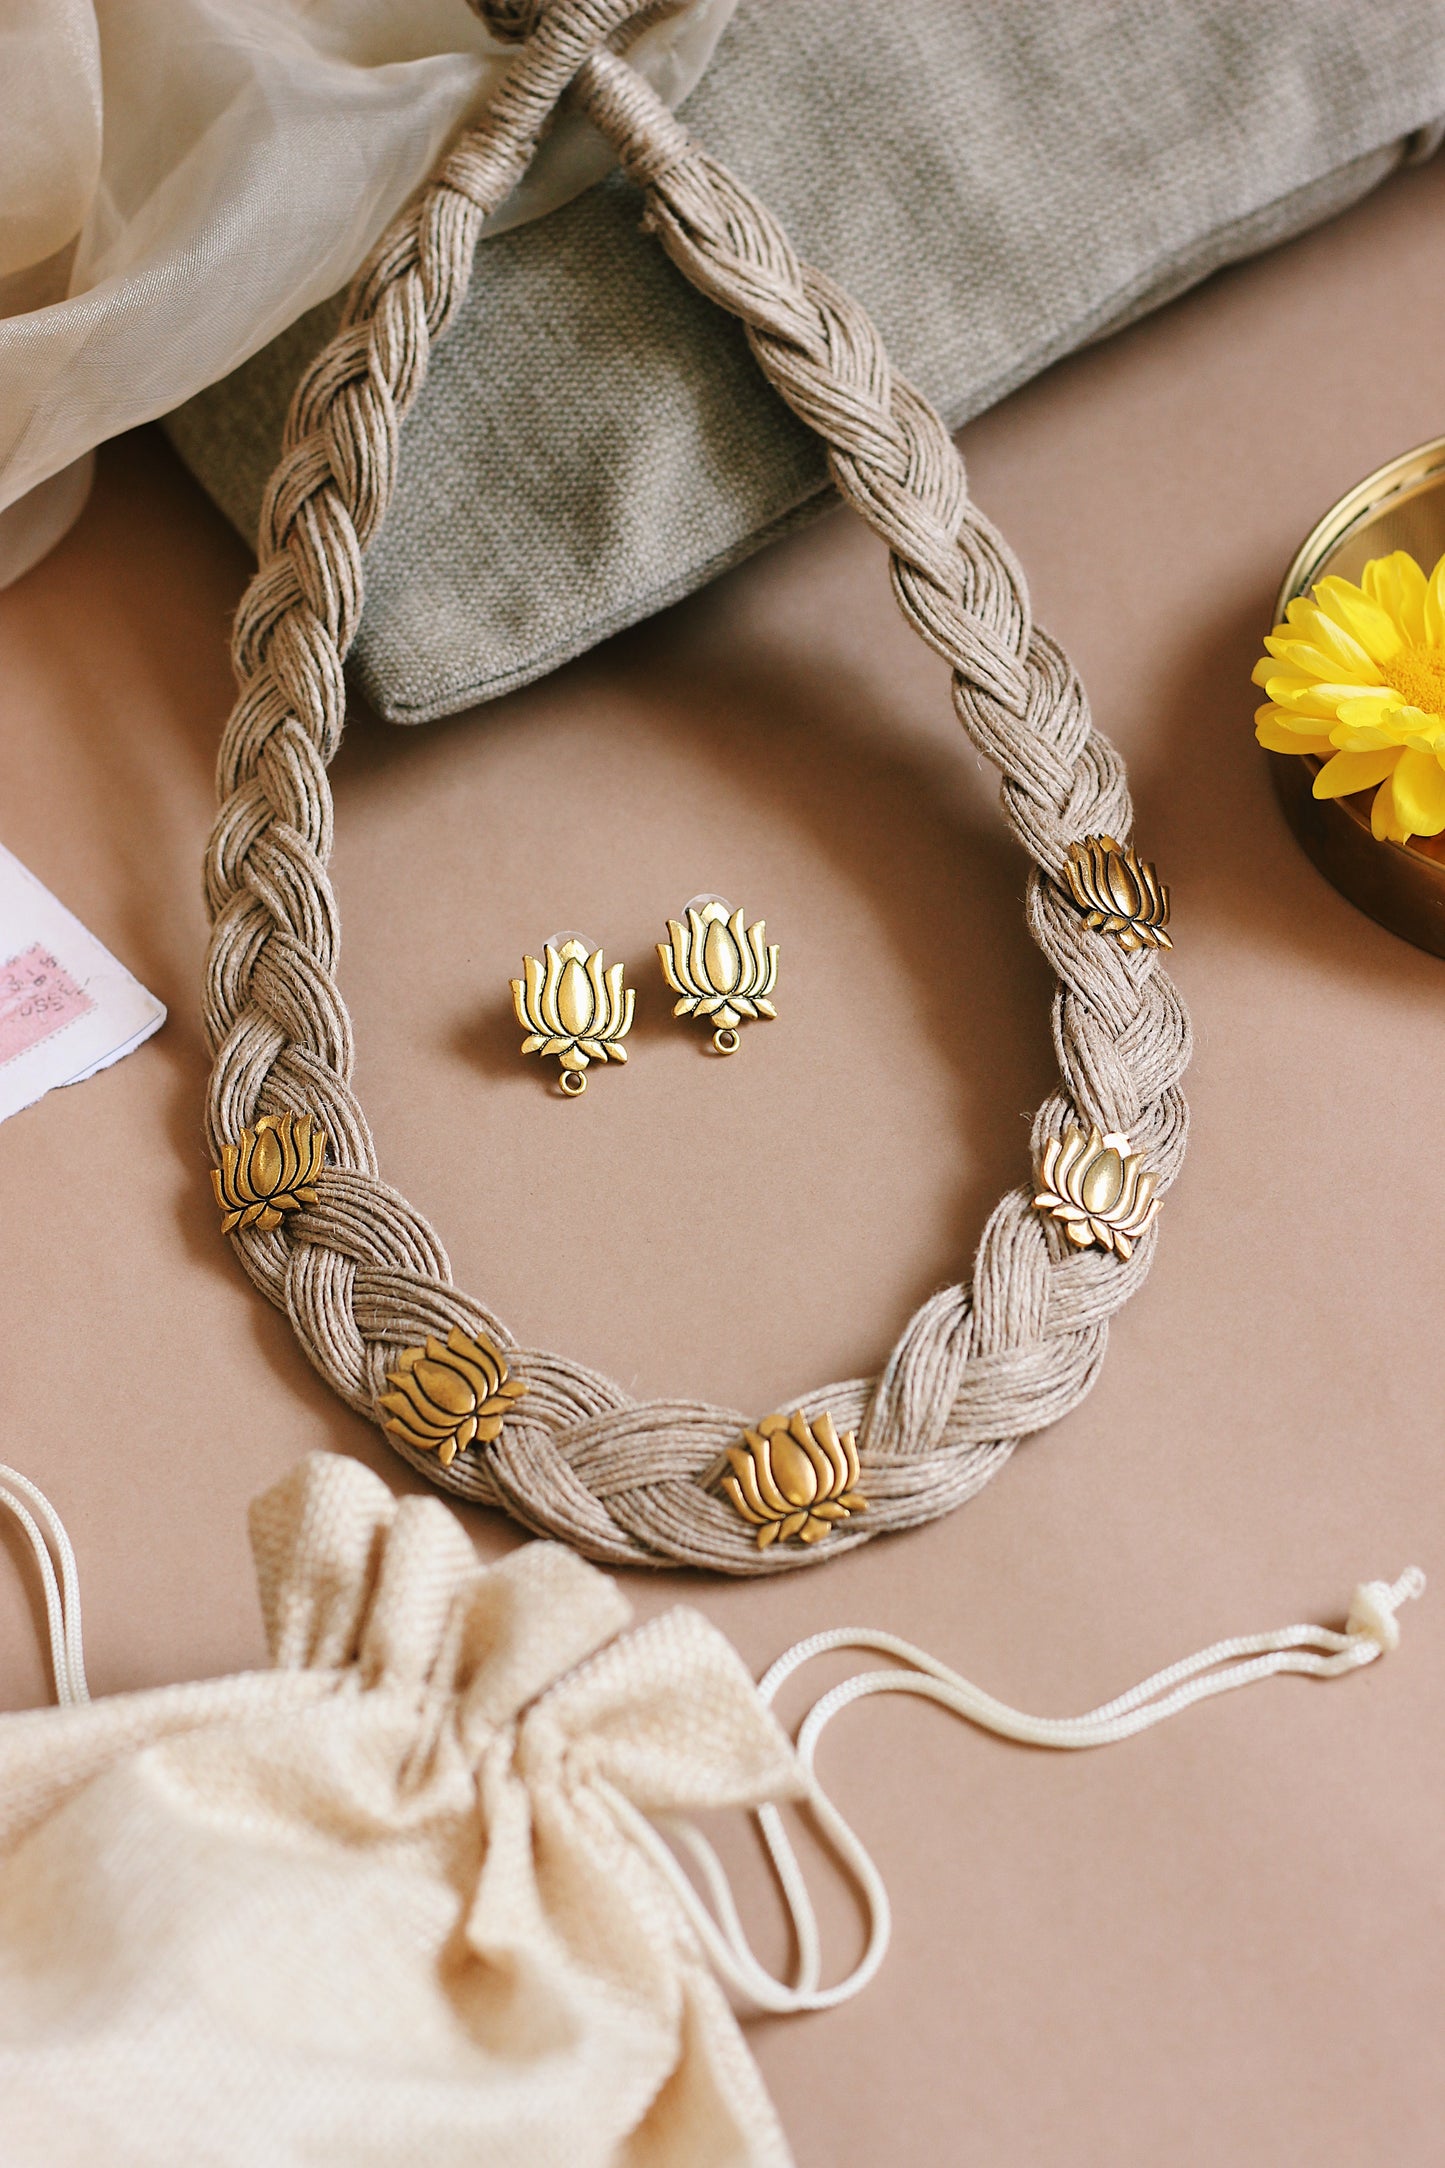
1400 506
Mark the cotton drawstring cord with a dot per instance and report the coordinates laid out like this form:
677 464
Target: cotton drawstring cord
1318 1652
59 1581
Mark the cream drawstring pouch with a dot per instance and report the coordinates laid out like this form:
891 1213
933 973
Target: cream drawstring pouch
382 1902
406 1897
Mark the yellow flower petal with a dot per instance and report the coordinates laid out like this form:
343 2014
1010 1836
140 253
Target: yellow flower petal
1382 812
1327 653
1363 736
1312 628
1419 787
1364 723
1419 729
1435 606
1312 666
1350 608
1316 698
1355 771
1398 584
1282 734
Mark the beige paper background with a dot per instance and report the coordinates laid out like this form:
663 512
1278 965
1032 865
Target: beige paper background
1218 1943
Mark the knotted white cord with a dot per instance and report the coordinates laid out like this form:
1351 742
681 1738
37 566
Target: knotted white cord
59 1581
1316 1651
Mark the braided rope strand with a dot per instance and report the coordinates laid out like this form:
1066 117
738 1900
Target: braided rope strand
360 1273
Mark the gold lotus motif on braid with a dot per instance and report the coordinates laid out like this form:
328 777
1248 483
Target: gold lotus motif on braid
1100 1190
1118 893
893 460
793 1478
270 1170
722 970
445 1398
570 1005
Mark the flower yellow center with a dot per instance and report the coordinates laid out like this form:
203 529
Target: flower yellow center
1417 674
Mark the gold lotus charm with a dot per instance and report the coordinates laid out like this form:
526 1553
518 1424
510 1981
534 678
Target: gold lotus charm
1118 892
1098 1188
269 1170
443 1398
722 970
570 1006
791 1477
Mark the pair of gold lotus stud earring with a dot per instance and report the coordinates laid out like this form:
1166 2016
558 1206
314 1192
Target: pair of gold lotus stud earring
572 1004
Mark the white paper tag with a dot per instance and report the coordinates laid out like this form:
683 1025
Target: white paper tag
67 1008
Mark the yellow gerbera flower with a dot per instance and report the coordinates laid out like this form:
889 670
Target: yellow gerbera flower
1358 673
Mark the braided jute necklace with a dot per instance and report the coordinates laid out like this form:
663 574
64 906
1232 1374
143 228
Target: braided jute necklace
360 1273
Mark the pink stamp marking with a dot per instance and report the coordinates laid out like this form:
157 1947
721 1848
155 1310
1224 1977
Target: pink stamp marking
38 997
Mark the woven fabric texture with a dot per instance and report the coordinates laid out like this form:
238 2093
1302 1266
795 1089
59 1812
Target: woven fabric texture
996 185
384 1902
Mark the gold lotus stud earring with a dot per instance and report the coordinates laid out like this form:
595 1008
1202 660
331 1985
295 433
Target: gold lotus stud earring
572 1005
722 970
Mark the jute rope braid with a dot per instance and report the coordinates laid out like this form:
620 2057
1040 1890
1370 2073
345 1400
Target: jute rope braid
361 1274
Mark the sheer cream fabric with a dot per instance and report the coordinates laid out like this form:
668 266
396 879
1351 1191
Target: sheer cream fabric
384 1902
180 179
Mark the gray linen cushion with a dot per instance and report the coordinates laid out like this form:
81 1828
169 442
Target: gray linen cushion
997 183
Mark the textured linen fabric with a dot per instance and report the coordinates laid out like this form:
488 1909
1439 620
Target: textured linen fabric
379 1904
180 179
997 185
